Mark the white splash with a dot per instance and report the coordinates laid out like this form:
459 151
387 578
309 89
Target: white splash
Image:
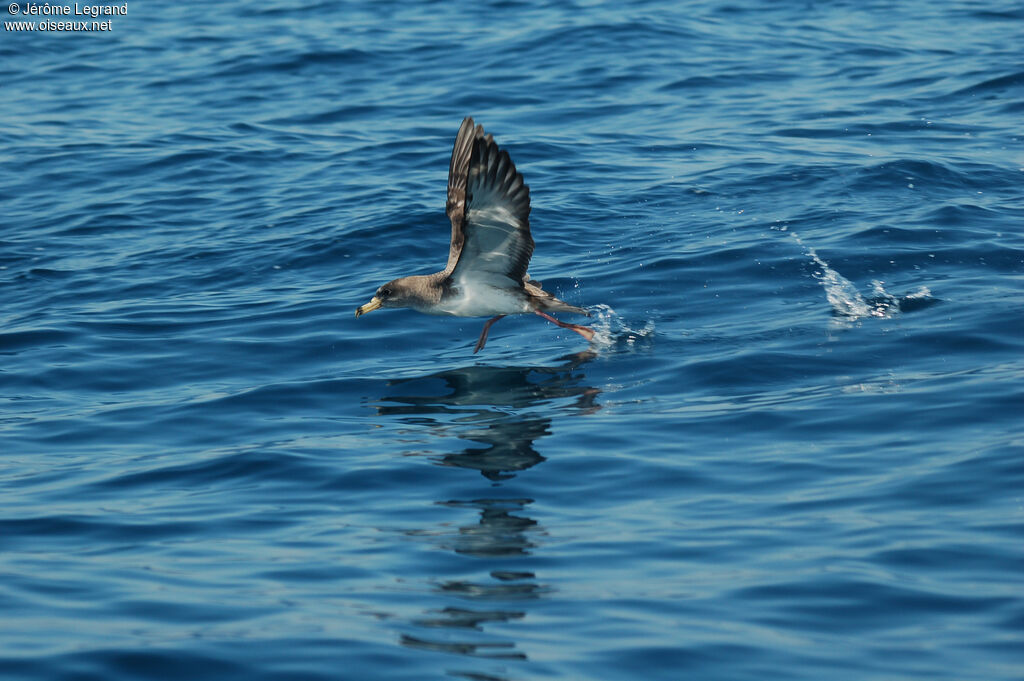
842 295
612 331
848 305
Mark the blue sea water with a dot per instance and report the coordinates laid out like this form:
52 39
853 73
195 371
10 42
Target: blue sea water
793 451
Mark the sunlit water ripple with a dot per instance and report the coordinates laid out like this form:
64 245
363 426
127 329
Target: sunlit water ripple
793 450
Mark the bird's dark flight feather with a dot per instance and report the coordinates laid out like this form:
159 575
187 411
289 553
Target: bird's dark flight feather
489 207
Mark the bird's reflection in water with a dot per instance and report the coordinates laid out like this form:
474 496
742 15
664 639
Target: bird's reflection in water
499 533
494 406
502 412
496 597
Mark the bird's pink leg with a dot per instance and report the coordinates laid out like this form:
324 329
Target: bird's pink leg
483 334
584 331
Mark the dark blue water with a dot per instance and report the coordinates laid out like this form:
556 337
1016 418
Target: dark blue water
794 450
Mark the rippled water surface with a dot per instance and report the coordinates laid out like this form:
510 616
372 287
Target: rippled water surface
793 451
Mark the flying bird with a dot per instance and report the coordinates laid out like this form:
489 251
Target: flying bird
489 208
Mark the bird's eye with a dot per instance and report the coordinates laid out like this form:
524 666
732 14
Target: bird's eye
385 292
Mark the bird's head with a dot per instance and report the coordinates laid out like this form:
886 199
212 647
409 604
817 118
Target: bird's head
392 294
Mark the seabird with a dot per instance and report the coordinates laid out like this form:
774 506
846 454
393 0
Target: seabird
489 207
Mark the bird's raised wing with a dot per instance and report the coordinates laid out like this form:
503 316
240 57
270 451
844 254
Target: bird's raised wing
489 206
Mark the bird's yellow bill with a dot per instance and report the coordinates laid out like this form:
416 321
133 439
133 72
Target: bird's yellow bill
374 303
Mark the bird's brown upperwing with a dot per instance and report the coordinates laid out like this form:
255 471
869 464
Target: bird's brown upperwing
458 171
489 208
